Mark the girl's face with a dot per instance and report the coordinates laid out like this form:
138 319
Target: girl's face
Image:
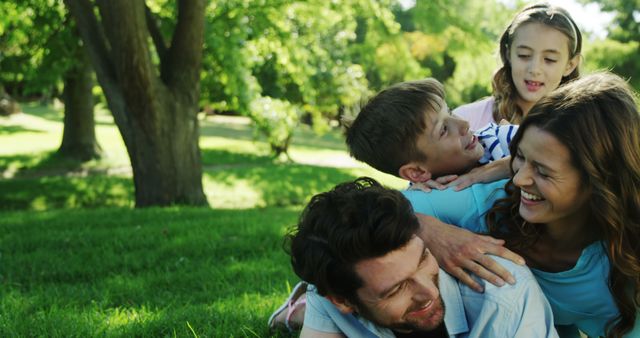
551 191
539 57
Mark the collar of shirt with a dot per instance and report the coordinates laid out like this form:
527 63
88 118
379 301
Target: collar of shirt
454 317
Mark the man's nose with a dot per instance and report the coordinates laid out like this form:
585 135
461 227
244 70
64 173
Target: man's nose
425 289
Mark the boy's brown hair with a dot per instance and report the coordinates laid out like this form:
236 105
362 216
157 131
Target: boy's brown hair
384 134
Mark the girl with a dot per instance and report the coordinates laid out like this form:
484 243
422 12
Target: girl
540 50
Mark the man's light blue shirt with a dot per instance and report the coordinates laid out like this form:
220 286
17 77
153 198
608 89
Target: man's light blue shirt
519 310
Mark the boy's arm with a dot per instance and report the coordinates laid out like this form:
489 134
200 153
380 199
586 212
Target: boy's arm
459 251
489 172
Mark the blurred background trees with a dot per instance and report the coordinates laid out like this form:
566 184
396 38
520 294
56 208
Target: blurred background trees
279 62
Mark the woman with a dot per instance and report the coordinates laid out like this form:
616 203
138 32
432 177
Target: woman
572 208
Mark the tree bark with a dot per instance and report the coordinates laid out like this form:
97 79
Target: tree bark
156 114
79 134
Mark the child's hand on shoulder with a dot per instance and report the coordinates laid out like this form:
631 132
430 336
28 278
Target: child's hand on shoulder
439 183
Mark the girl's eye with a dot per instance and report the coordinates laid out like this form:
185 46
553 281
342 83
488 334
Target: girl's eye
551 60
523 56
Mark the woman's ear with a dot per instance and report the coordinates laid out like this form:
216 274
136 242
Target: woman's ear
414 172
572 64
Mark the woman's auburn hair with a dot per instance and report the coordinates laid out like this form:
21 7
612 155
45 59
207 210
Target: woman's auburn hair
504 91
597 119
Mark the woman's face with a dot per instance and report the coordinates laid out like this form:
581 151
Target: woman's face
551 191
539 57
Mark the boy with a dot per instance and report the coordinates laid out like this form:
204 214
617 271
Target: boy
408 131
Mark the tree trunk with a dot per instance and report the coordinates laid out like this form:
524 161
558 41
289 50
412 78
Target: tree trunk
165 156
79 135
8 105
156 115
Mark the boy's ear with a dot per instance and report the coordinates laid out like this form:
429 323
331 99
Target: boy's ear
572 64
414 172
342 304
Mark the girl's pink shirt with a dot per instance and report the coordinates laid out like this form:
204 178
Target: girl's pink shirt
478 114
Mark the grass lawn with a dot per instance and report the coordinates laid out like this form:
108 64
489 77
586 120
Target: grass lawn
77 260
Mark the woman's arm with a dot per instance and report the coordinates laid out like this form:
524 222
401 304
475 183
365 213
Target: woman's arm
459 251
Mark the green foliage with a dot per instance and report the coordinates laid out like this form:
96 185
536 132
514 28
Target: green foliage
297 55
619 52
619 57
37 46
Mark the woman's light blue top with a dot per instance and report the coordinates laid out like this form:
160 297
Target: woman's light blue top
579 296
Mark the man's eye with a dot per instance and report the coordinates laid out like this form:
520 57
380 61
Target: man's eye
396 290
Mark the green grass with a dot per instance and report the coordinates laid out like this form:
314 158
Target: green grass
77 260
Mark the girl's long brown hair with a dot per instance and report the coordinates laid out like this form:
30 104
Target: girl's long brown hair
597 119
504 90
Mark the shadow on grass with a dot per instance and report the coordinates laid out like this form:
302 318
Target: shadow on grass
7 130
53 192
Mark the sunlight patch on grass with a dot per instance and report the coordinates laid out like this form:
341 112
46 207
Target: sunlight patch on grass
241 194
115 318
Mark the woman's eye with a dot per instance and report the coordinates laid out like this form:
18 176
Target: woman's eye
551 60
523 56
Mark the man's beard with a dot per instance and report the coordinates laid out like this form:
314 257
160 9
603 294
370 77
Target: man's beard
407 326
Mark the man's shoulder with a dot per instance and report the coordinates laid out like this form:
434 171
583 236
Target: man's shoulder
525 282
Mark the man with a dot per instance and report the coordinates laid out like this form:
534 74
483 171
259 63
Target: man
373 276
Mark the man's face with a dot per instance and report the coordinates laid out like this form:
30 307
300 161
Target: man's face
400 289
449 145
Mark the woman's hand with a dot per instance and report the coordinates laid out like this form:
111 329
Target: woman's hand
459 251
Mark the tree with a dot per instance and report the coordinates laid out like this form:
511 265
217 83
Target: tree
276 61
40 51
154 101
79 133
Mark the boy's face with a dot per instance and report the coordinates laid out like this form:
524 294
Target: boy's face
450 147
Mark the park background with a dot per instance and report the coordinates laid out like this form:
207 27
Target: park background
154 153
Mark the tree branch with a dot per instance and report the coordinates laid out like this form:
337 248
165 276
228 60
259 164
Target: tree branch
93 39
156 35
126 30
95 44
181 69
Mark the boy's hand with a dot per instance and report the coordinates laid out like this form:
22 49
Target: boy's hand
489 172
439 183
459 251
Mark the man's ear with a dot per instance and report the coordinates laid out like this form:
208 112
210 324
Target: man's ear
572 64
342 304
414 172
